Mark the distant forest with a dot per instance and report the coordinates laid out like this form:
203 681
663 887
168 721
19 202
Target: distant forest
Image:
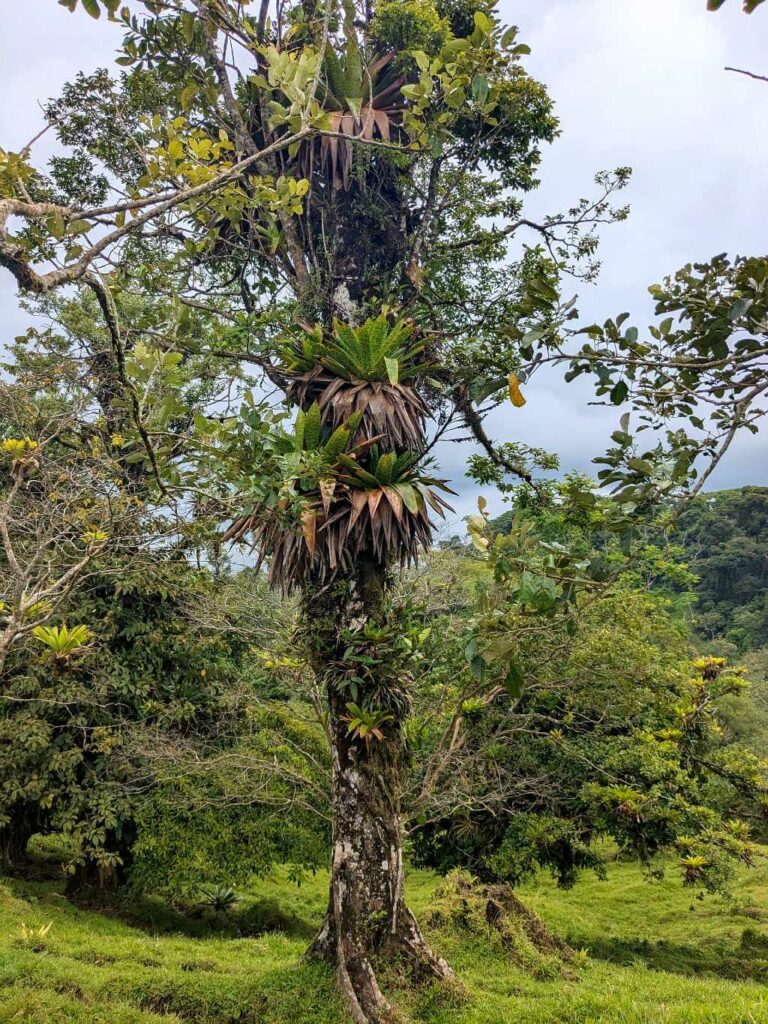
725 539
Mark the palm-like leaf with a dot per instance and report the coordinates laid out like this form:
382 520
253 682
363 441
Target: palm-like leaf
363 101
367 351
376 503
363 369
61 641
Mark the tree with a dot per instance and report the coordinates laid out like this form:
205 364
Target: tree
97 645
615 731
331 193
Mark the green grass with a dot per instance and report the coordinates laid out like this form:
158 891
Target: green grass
656 956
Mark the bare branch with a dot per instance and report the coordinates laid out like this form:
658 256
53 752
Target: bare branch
749 74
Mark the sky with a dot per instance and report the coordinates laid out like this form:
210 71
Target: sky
635 82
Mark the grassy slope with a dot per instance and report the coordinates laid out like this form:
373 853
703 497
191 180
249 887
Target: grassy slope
657 957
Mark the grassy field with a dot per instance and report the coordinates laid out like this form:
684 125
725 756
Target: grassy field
655 956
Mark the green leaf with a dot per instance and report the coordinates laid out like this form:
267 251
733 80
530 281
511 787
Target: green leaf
336 443
393 369
312 427
619 392
411 92
538 592
187 96
92 8
477 668
738 309
514 680
483 23
56 226
480 88
298 430
410 497
188 26
384 468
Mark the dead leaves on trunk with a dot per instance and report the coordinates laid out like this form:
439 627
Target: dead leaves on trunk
341 525
395 412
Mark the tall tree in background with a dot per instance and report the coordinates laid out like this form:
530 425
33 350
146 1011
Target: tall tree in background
328 195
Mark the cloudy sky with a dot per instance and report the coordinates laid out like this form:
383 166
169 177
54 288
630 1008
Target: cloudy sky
637 82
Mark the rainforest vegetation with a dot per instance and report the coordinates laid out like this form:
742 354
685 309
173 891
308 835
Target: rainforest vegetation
274 743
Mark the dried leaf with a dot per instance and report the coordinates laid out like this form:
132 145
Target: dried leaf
309 529
515 394
415 275
396 501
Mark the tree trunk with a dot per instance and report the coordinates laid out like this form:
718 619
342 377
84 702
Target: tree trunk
14 837
368 919
93 880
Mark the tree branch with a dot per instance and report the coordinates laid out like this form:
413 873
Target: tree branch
749 74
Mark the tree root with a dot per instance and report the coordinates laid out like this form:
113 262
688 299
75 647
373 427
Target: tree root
495 913
419 957
501 901
406 949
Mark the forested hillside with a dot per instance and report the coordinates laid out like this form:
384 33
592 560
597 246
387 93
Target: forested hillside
720 549
725 539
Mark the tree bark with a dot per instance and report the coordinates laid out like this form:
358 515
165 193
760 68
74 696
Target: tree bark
14 837
368 920
92 880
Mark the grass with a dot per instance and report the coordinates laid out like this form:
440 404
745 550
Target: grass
656 956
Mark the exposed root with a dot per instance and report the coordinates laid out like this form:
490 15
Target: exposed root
501 901
355 975
411 944
405 950
323 946
365 1000
496 914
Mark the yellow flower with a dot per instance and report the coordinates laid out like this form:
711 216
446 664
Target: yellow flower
18 446
93 537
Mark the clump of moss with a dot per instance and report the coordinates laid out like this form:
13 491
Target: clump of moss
495 914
